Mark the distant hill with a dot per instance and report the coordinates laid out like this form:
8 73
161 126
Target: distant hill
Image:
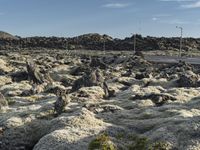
5 35
95 37
95 41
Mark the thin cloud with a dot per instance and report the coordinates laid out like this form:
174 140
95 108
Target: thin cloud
193 5
154 19
176 22
116 5
163 15
160 17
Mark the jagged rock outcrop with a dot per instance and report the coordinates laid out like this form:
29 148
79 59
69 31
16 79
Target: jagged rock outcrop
33 73
61 101
92 78
189 79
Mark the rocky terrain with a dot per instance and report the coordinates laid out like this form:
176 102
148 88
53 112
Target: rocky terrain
53 100
96 42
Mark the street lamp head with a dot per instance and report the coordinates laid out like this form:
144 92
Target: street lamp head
179 27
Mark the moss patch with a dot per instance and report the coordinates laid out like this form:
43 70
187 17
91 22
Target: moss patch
101 142
139 144
160 146
10 101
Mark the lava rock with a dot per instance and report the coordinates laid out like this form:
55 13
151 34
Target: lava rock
3 101
188 80
93 78
33 73
158 99
61 101
19 76
97 62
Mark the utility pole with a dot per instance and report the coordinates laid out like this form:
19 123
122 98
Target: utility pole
77 43
135 36
181 40
67 44
104 45
134 42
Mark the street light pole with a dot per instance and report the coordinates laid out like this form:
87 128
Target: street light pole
181 40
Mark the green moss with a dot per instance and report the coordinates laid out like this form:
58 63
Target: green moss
47 115
10 101
33 98
102 142
133 137
128 142
139 144
120 136
160 146
146 116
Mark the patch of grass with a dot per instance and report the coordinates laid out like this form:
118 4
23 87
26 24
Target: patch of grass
101 142
34 98
160 146
48 115
10 101
128 142
133 137
141 143
146 116
120 136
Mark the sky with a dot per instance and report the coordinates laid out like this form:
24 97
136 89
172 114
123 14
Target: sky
118 18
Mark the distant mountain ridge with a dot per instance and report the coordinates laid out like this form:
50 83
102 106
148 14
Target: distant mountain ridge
95 41
5 35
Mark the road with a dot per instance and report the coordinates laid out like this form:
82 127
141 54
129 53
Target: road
173 59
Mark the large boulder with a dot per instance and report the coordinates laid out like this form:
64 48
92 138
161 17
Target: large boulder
78 130
189 79
19 134
93 78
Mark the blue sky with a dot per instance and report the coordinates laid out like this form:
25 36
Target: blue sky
118 18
